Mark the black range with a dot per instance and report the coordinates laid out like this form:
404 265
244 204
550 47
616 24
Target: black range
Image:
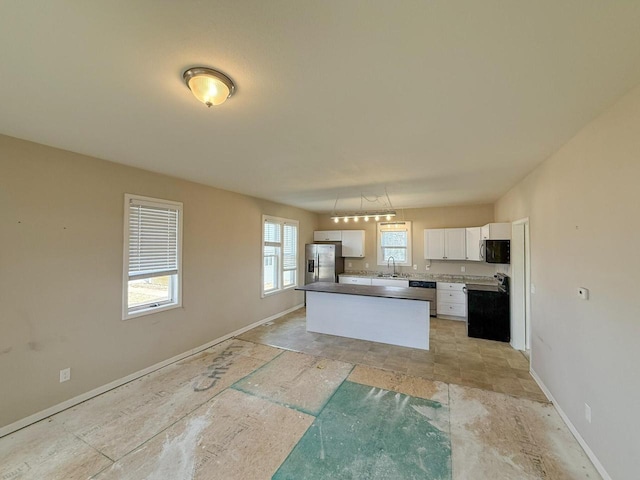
488 310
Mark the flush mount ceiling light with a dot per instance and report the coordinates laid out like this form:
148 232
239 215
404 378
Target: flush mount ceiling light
209 86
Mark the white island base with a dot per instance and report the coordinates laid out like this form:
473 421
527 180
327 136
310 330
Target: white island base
379 319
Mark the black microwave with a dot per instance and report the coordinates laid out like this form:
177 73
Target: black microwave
496 251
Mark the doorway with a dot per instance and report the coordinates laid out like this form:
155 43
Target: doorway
520 286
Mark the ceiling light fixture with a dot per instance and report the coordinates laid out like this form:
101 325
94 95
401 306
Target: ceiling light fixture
209 86
386 212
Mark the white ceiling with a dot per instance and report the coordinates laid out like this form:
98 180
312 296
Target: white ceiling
442 102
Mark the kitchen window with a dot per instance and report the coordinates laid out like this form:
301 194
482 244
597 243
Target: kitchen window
394 243
152 255
279 254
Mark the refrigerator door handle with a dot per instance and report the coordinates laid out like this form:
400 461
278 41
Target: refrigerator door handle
317 267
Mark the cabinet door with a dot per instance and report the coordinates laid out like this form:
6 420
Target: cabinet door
353 243
473 236
327 236
496 231
354 280
434 244
389 282
455 243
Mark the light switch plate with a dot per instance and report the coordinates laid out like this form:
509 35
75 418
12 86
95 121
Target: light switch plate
583 293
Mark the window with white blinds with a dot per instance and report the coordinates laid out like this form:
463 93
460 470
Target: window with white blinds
394 243
279 254
153 235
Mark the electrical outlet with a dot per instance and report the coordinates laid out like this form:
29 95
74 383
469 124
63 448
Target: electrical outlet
587 412
415 267
463 269
349 264
533 288
366 265
65 375
427 267
583 293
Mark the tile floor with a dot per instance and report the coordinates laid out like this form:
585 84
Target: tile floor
244 410
452 358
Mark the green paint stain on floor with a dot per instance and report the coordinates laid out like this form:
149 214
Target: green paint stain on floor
366 432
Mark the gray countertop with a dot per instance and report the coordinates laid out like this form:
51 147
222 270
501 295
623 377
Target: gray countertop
467 279
402 293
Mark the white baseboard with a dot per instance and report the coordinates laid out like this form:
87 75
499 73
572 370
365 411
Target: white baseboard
36 417
583 444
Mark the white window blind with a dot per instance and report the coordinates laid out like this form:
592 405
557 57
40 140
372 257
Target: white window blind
290 262
153 239
279 254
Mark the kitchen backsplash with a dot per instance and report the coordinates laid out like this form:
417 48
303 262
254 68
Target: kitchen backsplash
437 267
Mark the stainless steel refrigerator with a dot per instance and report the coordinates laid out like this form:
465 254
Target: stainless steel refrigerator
323 263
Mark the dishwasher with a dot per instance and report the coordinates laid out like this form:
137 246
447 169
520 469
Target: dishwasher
431 295
488 310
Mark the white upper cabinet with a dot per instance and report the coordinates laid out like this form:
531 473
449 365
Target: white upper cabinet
352 240
496 231
473 237
434 244
353 243
455 243
445 244
327 236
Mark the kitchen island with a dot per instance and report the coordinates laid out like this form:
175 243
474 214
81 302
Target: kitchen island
385 314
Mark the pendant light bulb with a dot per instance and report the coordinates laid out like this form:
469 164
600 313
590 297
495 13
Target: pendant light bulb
336 219
388 217
355 219
377 217
346 219
366 219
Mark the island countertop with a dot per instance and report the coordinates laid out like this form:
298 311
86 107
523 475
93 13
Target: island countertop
403 293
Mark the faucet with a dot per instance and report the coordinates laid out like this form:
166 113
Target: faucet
394 264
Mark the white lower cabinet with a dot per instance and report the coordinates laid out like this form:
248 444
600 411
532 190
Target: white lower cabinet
354 280
390 282
452 300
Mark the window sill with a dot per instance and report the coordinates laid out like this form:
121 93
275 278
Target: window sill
150 310
275 292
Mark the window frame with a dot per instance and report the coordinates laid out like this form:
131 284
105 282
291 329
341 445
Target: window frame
280 258
389 227
176 280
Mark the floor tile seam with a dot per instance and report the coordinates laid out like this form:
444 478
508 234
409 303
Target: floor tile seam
188 413
274 401
73 434
236 387
96 450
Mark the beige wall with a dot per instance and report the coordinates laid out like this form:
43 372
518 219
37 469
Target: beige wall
421 218
583 206
61 238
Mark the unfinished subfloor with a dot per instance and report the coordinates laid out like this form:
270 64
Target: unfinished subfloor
242 410
453 357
